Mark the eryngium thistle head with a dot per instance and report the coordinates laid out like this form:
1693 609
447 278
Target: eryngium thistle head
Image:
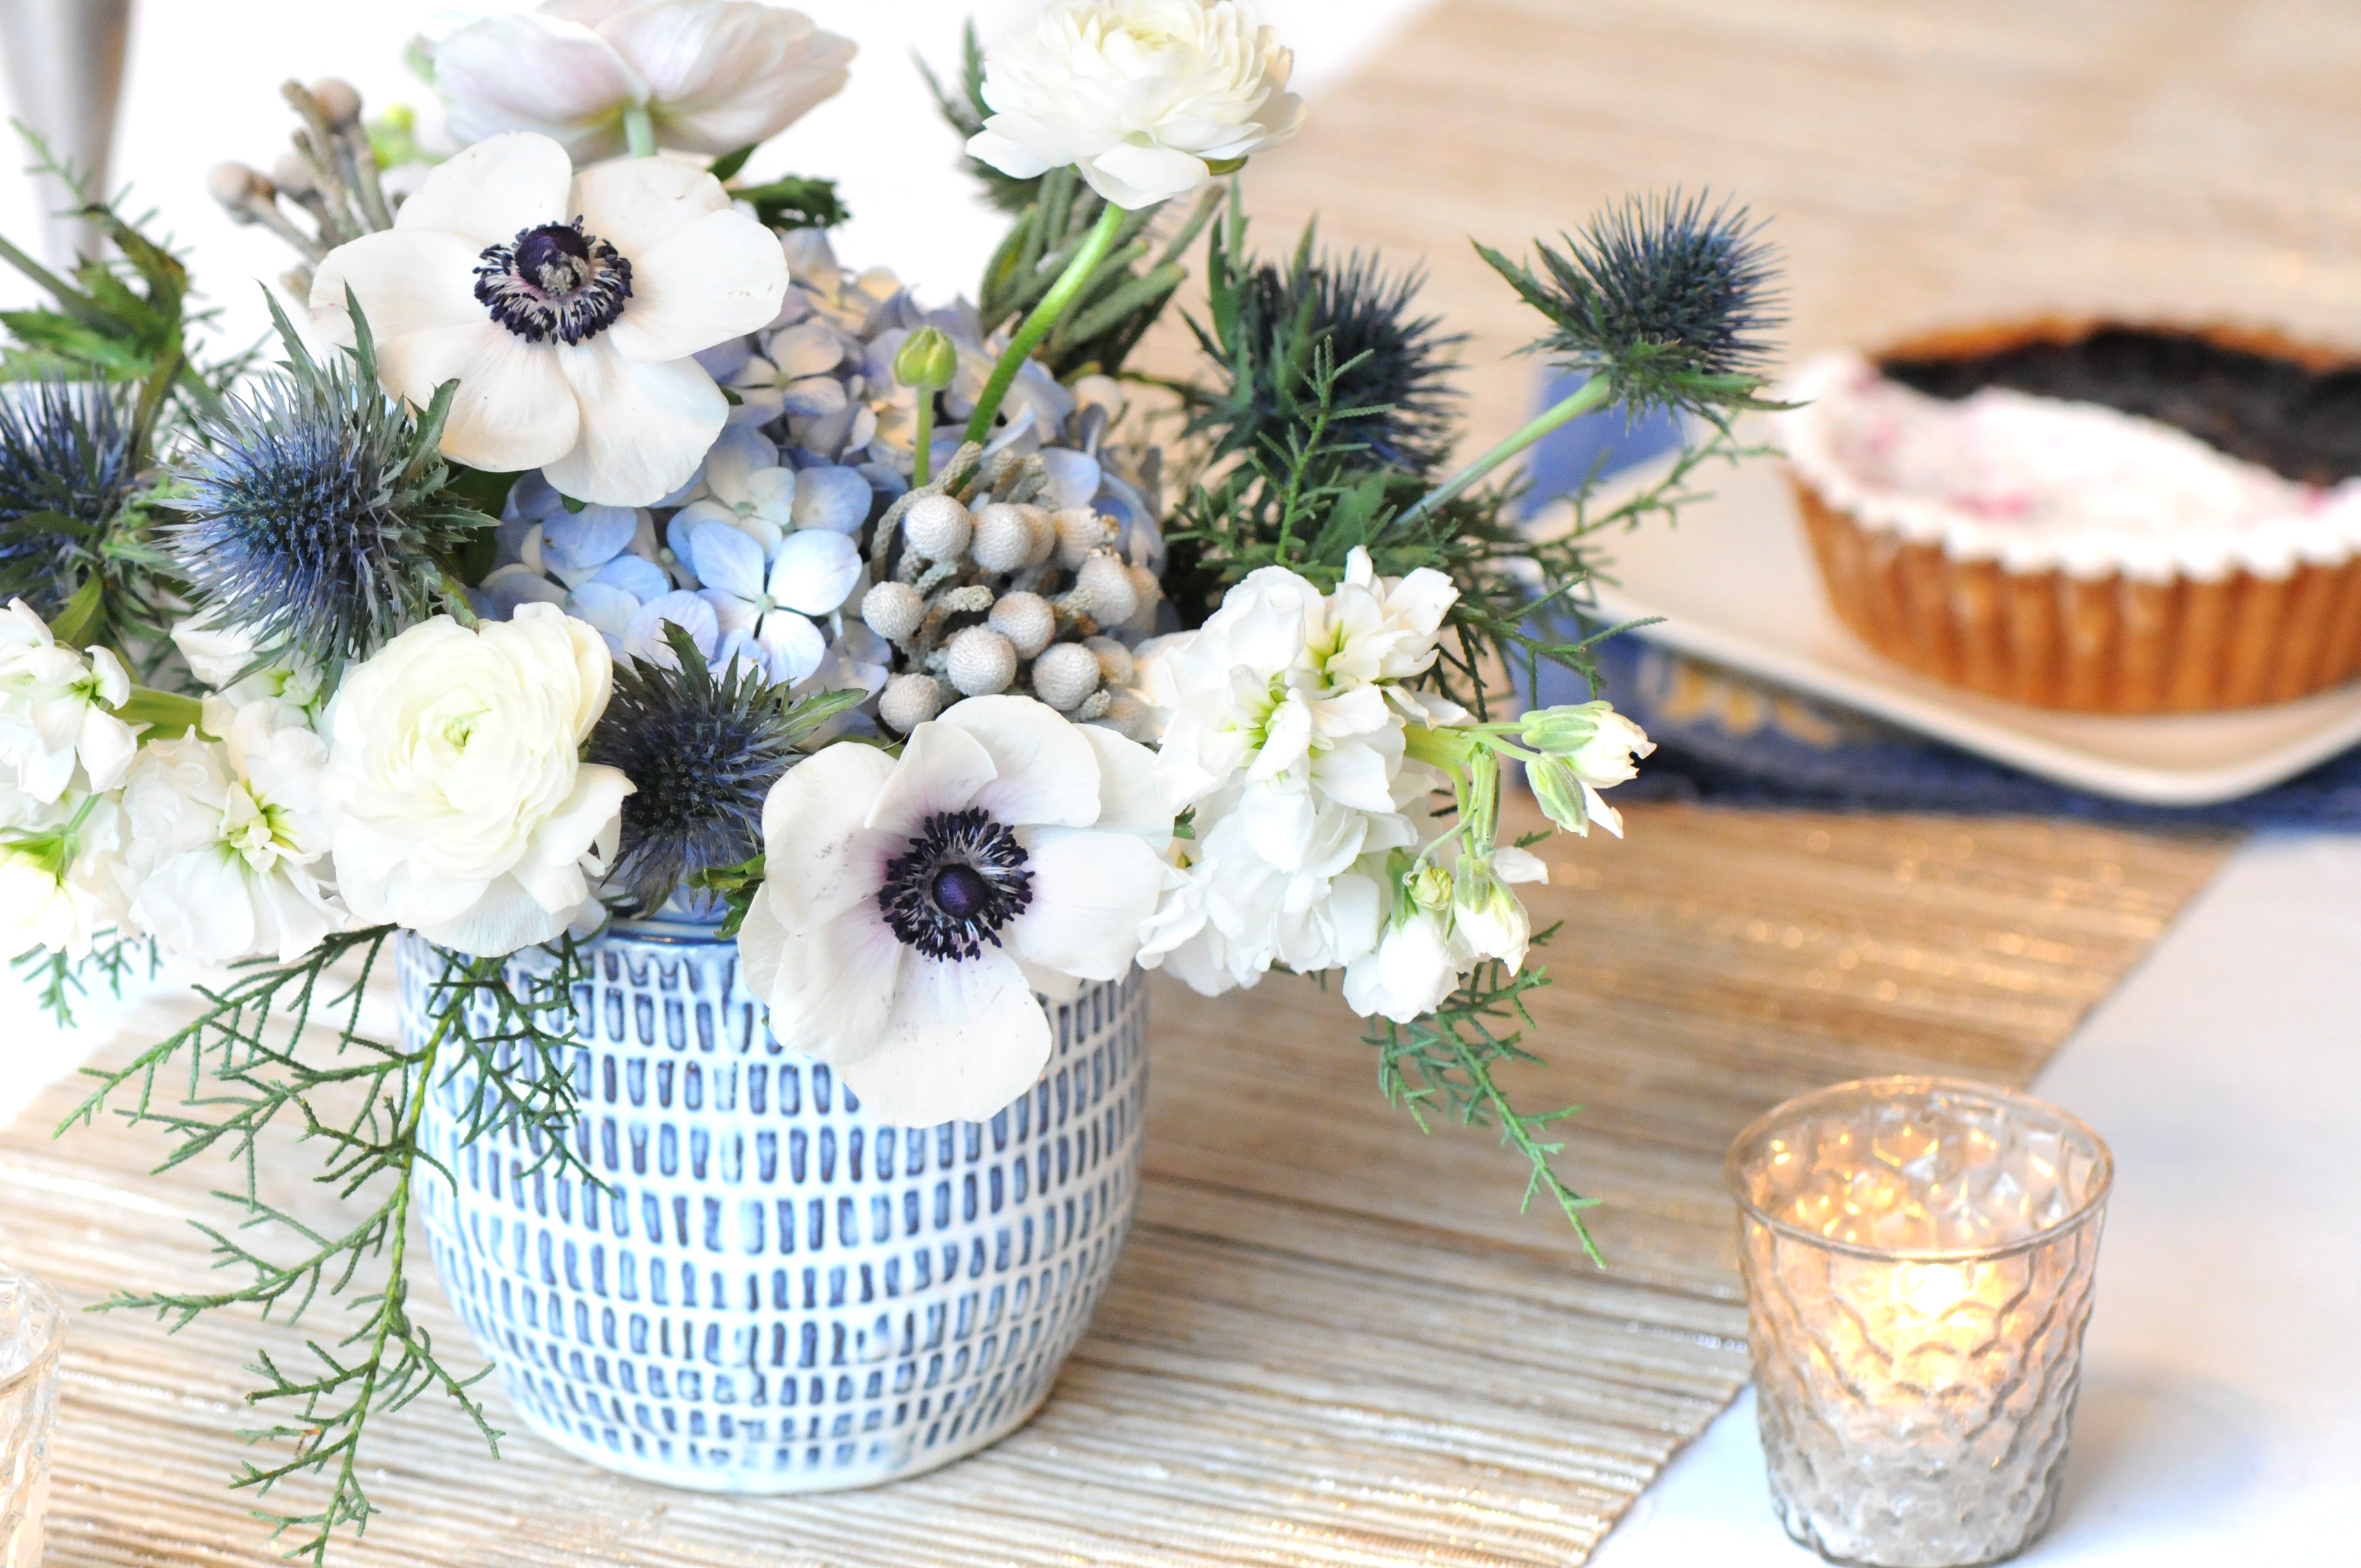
311 515
1390 366
1668 297
66 468
702 751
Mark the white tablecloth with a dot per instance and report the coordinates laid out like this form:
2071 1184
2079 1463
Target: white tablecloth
2220 1420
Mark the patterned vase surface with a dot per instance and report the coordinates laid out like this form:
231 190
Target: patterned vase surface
771 1291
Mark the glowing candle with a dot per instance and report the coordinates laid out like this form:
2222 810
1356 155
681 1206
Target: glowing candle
1918 1256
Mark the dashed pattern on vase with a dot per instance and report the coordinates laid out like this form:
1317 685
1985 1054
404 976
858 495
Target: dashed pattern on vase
769 1290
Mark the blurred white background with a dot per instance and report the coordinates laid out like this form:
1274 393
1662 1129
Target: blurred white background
202 85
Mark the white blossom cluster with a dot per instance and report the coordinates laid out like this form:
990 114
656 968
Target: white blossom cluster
1288 722
442 790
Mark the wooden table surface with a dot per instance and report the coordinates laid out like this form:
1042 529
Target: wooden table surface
1332 1341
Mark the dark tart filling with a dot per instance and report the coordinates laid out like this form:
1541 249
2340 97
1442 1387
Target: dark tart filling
2296 413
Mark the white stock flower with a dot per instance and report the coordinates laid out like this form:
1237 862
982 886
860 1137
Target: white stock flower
913 906
566 306
61 871
227 840
57 709
462 807
713 75
1142 96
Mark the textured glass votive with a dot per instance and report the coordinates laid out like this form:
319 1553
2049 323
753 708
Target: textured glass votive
32 1326
1918 1258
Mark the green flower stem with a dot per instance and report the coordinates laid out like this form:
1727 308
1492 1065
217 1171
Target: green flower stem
1588 396
1055 303
639 131
919 462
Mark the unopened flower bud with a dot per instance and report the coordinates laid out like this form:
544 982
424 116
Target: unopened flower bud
1026 620
893 610
1116 668
1004 538
1108 582
980 662
909 701
1045 534
938 527
1429 888
1080 530
1597 742
1065 676
927 360
339 101
1559 794
1487 915
292 174
237 187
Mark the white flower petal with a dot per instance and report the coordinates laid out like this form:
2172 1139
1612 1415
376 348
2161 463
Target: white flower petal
637 203
513 408
406 281
1511 864
488 192
1092 892
822 859
828 986
719 277
792 646
942 768
964 1040
1131 798
728 76
644 427
534 71
1045 772
814 571
1133 177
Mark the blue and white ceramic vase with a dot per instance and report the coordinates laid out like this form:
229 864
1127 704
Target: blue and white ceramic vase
776 1291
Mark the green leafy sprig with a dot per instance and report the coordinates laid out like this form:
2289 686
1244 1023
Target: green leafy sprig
281 1046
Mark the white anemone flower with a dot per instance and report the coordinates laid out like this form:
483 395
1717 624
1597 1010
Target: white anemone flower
566 306
228 841
57 709
913 906
1145 97
710 75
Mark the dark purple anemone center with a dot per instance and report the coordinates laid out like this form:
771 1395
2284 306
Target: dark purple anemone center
554 282
956 884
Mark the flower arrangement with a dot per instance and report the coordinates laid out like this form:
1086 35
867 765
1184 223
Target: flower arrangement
603 549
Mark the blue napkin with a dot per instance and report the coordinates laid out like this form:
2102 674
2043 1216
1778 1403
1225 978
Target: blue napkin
1723 736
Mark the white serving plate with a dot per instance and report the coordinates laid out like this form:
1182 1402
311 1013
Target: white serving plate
1735 583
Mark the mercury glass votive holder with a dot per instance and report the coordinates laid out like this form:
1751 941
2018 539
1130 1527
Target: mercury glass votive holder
32 1327
1919 1255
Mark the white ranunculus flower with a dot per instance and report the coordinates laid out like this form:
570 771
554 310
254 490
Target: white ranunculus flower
461 806
712 75
1142 96
228 839
57 709
566 306
913 906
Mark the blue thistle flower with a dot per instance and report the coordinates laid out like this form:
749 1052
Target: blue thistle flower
1666 298
314 513
1270 322
66 468
702 751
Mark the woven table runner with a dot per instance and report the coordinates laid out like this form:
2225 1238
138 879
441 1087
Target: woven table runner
1331 1340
